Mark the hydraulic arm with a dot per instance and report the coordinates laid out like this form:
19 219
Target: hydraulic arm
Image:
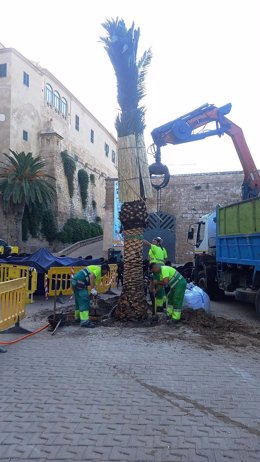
184 129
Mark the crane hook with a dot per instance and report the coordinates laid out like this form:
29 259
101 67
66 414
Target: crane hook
158 169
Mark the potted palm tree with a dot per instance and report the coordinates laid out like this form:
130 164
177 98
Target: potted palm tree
23 181
121 45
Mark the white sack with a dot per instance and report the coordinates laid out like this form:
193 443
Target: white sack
195 298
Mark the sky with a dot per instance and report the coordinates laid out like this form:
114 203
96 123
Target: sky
204 51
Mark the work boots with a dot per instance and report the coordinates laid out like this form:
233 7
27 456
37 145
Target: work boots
88 324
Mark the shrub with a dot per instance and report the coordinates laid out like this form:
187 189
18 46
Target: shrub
92 179
83 186
76 229
32 219
37 219
69 166
49 226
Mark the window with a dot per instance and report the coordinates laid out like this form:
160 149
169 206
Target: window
64 107
56 101
26 79
113 157
25 135
106 149
92 136
3 70
201 233
49 94
77 122
53 98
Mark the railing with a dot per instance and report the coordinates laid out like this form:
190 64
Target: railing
12 302
59 280
10 272
68 250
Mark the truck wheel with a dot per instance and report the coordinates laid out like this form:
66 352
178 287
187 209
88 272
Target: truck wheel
215 293
212 289
202 282
257 304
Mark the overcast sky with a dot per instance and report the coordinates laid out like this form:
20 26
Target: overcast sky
203 51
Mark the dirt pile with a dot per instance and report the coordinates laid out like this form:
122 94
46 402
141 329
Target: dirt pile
217 330
104 307
200 321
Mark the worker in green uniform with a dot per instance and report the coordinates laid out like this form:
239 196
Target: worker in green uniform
167 280
157 253
83 283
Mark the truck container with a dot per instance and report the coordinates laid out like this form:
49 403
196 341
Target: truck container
238 233
238 250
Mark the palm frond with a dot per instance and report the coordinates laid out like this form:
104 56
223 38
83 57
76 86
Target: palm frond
121 45
142 66
23 180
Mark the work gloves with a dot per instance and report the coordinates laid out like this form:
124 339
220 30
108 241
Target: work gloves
93 292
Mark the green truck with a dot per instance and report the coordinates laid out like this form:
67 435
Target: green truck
227 251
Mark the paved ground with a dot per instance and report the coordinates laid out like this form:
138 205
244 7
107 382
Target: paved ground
129 394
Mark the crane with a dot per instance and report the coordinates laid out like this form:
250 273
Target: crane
183 130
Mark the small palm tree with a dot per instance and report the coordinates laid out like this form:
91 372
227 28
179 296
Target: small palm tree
121 45
23 181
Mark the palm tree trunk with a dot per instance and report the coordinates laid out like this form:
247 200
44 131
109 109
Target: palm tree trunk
132 304
19 212
133 165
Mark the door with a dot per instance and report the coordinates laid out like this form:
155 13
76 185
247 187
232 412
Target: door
162 225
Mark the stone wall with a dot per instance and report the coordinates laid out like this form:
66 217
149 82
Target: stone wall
7 225
187 197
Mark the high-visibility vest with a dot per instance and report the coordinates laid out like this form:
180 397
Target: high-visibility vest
167 272
165 253
96 270
156 254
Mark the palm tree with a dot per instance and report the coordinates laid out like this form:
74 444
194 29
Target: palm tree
121 45
24 182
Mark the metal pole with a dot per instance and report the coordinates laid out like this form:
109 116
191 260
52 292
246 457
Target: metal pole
158 155
55 299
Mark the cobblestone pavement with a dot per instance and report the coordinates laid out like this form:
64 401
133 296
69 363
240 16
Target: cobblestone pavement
119 394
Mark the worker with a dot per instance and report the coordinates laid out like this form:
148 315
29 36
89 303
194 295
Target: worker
157 253
84 283
167 280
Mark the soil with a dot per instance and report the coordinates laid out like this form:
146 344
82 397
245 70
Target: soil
105 306
207 331
196 327
199 328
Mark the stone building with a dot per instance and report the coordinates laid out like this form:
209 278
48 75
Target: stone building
187 198
39 115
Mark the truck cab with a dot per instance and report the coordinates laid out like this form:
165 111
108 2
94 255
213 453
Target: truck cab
203 235
206 235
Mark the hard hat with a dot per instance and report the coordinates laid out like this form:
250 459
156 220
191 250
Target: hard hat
158 239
